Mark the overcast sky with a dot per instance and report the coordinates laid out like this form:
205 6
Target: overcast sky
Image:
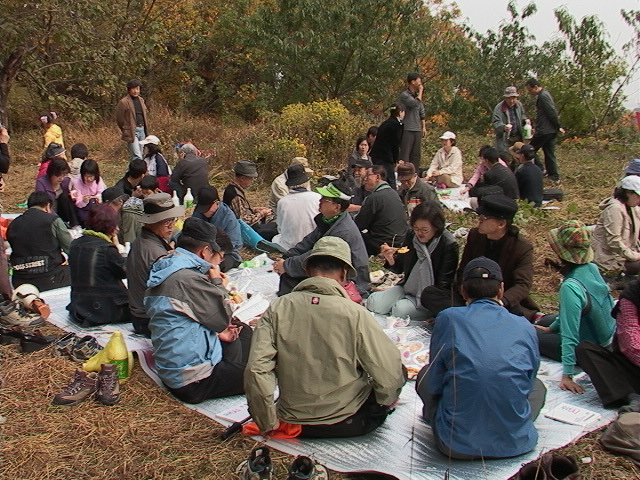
487 14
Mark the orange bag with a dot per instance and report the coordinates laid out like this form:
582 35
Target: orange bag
284 430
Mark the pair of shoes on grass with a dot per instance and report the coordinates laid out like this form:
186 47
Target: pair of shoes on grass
78 349
259 467
104 386
30 341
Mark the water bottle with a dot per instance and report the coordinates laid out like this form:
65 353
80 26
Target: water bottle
119 355
176 200
188 199
527 130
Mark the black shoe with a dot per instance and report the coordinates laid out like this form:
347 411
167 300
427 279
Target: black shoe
34 341
269 247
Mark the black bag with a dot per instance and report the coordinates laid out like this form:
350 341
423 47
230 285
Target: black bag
553 194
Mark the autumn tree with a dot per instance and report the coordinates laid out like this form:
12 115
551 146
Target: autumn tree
76 56
587 77
335 50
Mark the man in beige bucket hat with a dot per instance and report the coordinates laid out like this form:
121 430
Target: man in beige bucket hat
336 369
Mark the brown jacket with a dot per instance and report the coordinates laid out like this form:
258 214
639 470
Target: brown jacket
516 263
126 118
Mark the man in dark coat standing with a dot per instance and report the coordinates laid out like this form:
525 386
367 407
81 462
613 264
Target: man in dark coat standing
546 128
386 149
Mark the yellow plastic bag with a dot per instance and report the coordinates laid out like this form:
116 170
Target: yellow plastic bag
115 352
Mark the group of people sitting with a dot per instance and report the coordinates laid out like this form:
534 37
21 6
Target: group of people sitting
338 373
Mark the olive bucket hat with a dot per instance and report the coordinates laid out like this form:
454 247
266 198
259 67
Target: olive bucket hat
333 247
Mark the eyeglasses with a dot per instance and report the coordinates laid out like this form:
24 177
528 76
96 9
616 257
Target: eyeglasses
370 174
169 222
326 200
424 231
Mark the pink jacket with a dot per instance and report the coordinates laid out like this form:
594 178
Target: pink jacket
79 188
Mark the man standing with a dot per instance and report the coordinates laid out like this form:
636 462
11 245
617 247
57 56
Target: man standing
382 214
483 359
131 117
414 120
37 238
546 128
386 149
337 371
508 120
199 351
158 219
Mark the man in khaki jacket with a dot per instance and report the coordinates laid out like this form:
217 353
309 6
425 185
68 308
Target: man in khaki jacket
131 117
336 369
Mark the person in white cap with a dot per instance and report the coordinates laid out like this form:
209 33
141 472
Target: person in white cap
446 166
615 238
156 163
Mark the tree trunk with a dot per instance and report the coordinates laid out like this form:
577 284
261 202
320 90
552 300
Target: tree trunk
8 73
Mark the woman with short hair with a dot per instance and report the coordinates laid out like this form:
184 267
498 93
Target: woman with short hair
57 184
427 256
446 166
98 295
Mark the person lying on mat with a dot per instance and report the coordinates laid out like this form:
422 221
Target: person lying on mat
480 391
200 352
336 369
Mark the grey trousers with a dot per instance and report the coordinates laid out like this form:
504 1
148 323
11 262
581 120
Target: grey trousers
410 147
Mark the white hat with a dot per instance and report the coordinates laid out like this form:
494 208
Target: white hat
632 182
448 136
150 139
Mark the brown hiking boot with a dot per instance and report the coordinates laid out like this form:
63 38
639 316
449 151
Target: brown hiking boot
108 385
81 387
14 313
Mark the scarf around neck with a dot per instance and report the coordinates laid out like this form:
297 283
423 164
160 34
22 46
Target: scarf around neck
421 275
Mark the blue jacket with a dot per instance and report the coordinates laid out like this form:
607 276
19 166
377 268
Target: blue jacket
186 311
225 219
484 361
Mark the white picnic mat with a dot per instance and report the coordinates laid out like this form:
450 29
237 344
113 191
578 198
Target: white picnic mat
403 446
452 199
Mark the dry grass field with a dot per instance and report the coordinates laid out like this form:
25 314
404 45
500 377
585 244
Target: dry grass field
151 436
